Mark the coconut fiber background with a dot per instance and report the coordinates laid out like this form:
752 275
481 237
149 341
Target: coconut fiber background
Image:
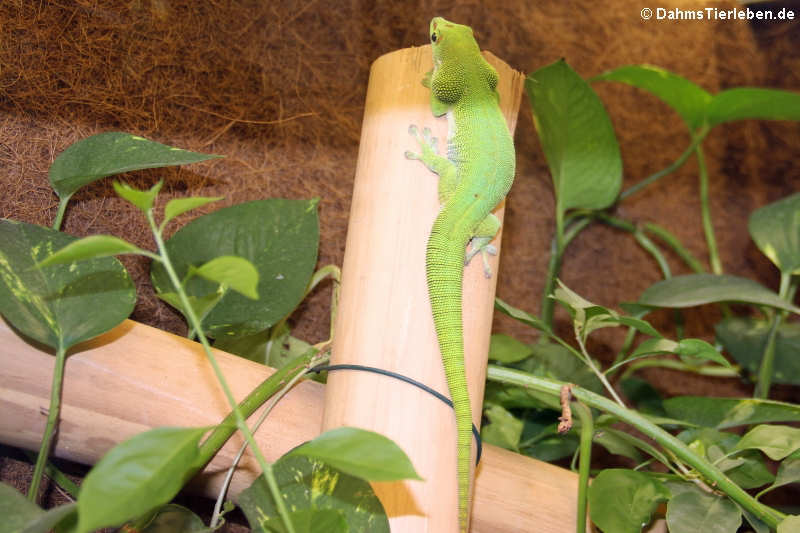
278 88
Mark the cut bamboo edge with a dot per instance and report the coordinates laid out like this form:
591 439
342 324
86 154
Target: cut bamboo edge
135 377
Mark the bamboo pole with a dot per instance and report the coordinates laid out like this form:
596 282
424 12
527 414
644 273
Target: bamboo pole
384 316
135 378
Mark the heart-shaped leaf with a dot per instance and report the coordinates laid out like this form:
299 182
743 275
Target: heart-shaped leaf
112 153
775 228
698 289
360 453
230 271
730 412
622 500
577 138
91 247
310 485
743 103
279 237
136 476
59 305
689 100
694 510
744 339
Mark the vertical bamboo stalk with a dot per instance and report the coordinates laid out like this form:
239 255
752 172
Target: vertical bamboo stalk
384 317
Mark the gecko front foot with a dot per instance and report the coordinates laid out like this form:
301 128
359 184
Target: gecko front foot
481 245
427 144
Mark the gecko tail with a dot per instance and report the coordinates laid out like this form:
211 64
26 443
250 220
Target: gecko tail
445 268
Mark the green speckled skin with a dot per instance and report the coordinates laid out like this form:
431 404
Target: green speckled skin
473 179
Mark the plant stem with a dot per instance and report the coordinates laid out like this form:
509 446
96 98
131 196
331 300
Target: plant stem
676 246
223 431
587 433
705 211
675 165
275 398
643 240
713 475
718 371
600 375
554 265
768 356
52 422
68 487
62 207
194 322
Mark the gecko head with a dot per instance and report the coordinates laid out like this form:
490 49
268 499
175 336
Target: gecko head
449 39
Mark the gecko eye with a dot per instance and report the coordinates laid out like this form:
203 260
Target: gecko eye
433 37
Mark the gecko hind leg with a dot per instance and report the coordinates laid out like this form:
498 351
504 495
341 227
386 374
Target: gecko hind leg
479 244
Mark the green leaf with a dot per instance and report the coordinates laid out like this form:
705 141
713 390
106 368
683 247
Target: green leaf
745 338
747 469
636 442
179 206
788 471
643 396
694 510
279 237
359 453
775 441
692 349
503 429
91 247
698 289
616 443
17 511
640 325
623 501
272 348
520 315
307 484
313 521
231 271
653 346
775 228
511 396
577 138
752 473
550 360
61 518
730 412
757 525
60 305
589 317
743 103
790 524
172 518
201 305
543 442
689 100
137 475
142 199
505 349
111 153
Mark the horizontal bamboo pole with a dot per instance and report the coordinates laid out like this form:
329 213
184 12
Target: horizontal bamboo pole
135 378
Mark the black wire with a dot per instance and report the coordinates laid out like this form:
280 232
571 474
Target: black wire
437 394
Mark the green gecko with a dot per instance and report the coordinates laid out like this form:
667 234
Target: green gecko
473 179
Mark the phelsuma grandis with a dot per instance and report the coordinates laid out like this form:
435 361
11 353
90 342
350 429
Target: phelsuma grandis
473 179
